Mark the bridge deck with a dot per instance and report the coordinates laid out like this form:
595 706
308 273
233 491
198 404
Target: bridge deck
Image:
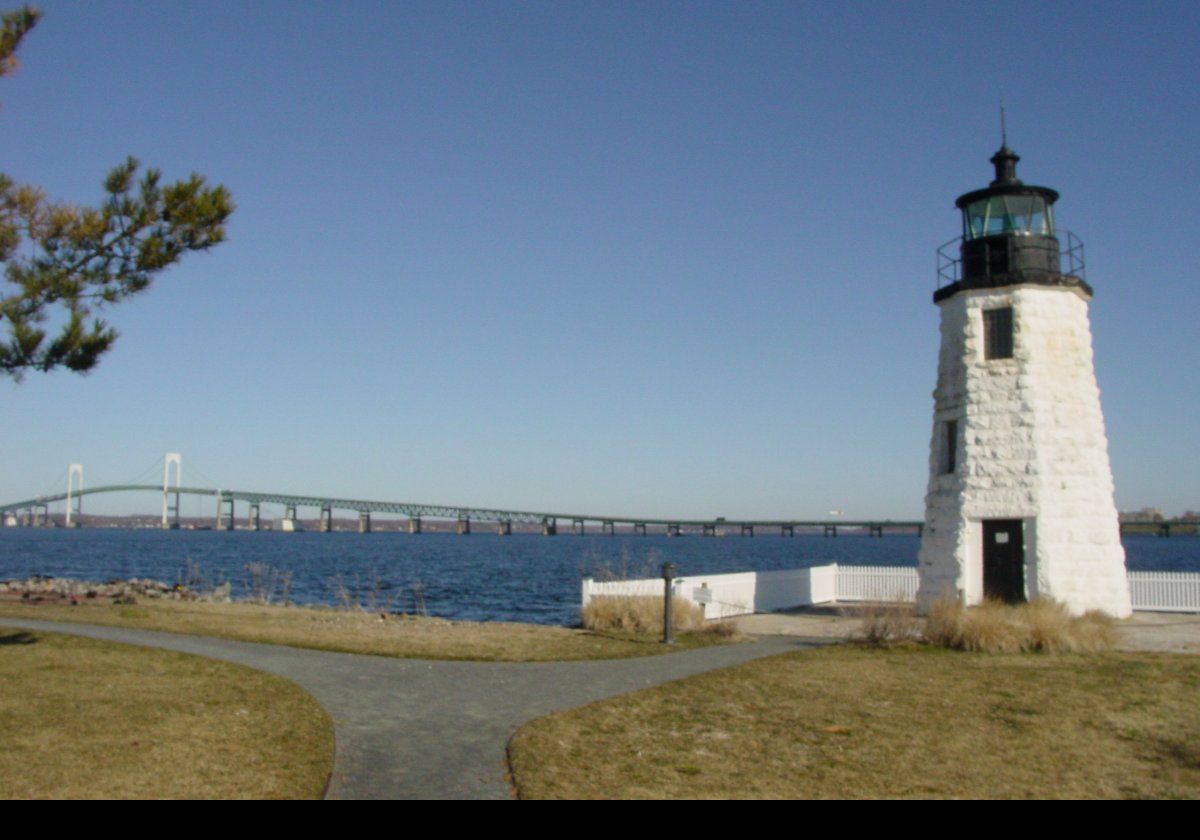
418 510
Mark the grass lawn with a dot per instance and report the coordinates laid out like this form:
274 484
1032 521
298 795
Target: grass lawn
86 719
353 631
852 721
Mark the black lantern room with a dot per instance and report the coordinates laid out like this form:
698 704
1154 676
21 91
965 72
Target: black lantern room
1008 236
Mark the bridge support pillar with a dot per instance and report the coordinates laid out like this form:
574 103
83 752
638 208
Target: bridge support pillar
747 530
673 530
831 530
289 523
326 523
170 512
639 528
504 528
577 527
707 530
42 518
549 526
875 530
74 511
1164 529
787 530
414 525
224 521
254 517
364 522
464 525
609 528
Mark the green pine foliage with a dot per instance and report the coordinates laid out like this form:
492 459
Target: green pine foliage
65 264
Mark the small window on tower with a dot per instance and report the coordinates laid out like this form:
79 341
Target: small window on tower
949 446
998 333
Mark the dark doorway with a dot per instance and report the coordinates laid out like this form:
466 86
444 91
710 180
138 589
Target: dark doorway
1004 560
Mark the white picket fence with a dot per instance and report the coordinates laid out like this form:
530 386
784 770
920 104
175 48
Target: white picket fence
740 593
876 583
1165 591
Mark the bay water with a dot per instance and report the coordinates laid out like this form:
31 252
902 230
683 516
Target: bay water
481 577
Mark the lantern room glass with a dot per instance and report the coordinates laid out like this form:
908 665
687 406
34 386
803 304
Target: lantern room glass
998 215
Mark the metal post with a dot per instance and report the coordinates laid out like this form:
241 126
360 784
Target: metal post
668 573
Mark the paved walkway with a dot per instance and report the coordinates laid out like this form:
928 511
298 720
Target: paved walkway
1149 631
423 729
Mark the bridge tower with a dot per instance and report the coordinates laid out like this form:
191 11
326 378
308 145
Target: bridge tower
170 514
1020 495
72 471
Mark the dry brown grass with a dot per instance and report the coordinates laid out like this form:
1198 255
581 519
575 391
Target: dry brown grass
907 721
639 614
354 631
82 719
1042 625
643 615
886 623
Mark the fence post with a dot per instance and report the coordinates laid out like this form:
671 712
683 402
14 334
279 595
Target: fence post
668 573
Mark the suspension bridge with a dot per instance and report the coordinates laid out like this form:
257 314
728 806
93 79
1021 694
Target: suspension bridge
35 512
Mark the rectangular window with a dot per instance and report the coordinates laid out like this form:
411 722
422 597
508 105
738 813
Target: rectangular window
949 446
998 333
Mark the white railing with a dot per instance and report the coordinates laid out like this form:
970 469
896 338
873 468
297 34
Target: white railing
638 587
1165 591
741 593
876 583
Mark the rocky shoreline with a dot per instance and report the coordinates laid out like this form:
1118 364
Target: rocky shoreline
44 588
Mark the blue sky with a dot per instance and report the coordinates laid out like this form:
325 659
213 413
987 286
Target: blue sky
645 258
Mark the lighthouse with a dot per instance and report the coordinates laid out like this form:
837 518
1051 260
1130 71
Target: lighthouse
1020 495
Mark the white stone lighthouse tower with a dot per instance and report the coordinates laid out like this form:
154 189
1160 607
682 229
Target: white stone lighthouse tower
1020 501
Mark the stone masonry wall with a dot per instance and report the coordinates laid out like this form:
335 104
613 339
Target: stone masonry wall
1031 446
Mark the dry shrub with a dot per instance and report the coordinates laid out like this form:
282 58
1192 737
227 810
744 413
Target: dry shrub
943 623
641 615
993 627
887 623
1053 628
720 629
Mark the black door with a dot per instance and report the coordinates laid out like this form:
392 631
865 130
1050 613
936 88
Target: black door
1004 560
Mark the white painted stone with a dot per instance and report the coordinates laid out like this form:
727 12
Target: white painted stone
1031 446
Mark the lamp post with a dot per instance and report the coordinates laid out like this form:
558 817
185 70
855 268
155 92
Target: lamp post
668 573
